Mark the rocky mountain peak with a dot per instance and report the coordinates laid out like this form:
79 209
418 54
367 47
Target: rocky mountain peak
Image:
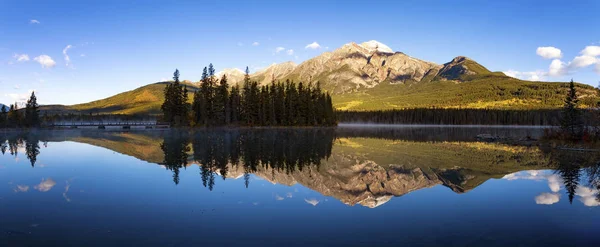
460 59
460 67
374 45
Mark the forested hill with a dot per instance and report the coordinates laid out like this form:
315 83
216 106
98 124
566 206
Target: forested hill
486 93
143 100
371 76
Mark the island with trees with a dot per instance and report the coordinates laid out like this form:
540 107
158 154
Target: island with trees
216 104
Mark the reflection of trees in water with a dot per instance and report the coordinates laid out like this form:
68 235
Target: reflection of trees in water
32 148
435 134
216 151
175 148
593 177
30 141
572 166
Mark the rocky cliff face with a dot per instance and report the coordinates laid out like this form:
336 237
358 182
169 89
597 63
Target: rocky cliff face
357 66
233 75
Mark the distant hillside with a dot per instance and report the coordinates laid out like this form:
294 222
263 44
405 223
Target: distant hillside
371 76
143 100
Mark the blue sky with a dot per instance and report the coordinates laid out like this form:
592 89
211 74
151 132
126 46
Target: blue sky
114 46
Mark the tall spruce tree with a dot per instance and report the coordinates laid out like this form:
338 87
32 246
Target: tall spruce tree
32 112
221 102
245 108
3 116
202 98
235 104
175 108
572 122
210 96
14 116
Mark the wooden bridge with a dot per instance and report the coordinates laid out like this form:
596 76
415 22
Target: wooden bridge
104 125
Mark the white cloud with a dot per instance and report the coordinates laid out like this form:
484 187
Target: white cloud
557 68
82 55
554 182
67 58
290 52
255 43
547 198
34 22
582 61
240 44
21 188
17 86
527 75
588 196
16 97
529 175
46 185
279 49
312 201
549 52
592 51
590 201
278 197
597 69
313 45
21 57
45 60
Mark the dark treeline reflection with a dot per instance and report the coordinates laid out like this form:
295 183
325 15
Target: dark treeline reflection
433 133
282 150
30 141
576 167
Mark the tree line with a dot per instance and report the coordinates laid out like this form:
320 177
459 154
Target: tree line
540 117
13 117
574 121
216 103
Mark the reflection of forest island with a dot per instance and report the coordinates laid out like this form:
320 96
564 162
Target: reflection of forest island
355 170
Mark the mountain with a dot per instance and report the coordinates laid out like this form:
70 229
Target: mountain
372 76
234 75
263 76
3 105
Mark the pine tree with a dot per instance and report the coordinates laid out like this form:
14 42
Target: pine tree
184 106
235 104
221 104
571 122
330 118
245 107
32 113
14 117
175 107
210 96
3 116
201 99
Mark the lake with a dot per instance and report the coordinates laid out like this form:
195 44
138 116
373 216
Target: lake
350 186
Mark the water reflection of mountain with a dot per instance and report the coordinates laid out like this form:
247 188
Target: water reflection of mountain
355 170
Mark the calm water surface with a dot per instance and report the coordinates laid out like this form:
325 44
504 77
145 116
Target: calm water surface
349 186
